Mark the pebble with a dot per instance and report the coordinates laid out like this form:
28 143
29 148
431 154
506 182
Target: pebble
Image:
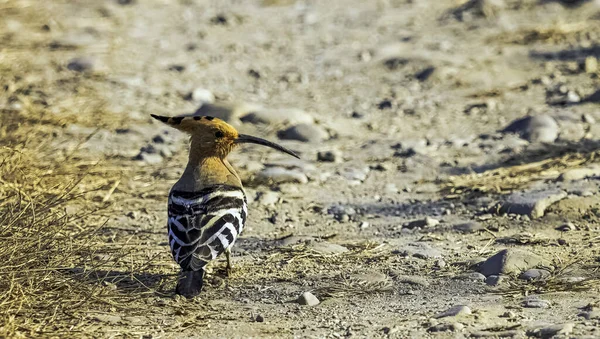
444 327
329 156
279 175
412 280
419 250
540 128
510 261
259 318
531 203
355 174
426 222
534 274
552 330
471 276
305 133
81 64
591 64
286 117
391 188
267 198
496 334
202 95
495 280
327 247
229 112
566 227
580 173
536 303
308 299
469 227
363 225
107 318
454 311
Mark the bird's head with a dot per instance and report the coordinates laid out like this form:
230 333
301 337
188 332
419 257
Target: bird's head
214 137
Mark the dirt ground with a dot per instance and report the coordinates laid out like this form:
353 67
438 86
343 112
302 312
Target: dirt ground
410 99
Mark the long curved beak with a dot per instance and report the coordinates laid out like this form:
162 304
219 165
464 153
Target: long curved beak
248 139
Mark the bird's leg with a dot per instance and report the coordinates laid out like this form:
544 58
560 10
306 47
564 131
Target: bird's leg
228 256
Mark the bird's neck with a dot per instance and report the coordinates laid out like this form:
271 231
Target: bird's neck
204 171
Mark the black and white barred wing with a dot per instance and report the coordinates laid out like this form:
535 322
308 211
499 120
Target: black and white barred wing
203 224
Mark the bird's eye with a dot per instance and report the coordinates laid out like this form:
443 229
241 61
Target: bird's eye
219 134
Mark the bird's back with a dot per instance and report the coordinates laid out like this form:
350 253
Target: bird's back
203 224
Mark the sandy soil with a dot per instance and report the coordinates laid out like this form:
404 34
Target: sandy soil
409 96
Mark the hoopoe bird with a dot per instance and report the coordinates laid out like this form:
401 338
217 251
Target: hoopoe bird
207 206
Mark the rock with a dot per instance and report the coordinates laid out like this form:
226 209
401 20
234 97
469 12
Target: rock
408 148
496 334
591 64
540 128
108 318
419 250
454 311
552 330
471 276
149 158
531 203
534 274
363 225
229 112
566 227
510 261
286 117
580 173
259 318
304 133
202 95
536 303
412 280
444 327
268 198
469 227
279 175
293 240
308 299
588 118
495 280
327 247
590 315
81 64
427 222
341 212
329 156
391 188
355 174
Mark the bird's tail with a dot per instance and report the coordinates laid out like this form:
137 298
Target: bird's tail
190 283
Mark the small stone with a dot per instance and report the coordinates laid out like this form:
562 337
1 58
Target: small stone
268 198
363 225
471 276
591 64
327 247
420 223
510 261
541 128
391 188
355 174
552 330
419 250
588 118
454 311
279 175
536 303
202 95
308 299
495 280
444 327
304 133
469 227
509 315
531 203
534 274
286 117
573 97
81 64
566 227
580 173
412 280
149 158
107 318
259 318
329 156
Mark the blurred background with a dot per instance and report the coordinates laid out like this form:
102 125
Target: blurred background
413 119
